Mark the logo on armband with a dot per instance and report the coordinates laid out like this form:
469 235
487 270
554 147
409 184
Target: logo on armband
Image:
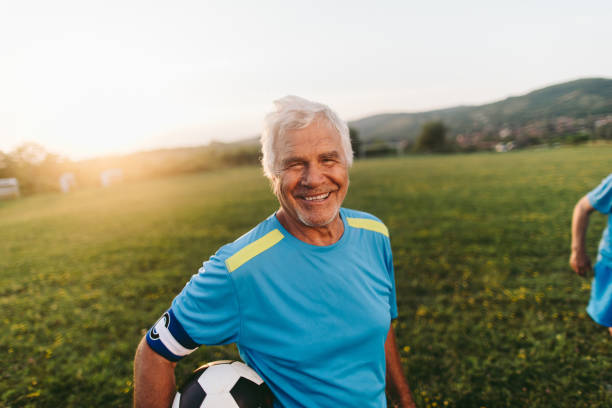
165 320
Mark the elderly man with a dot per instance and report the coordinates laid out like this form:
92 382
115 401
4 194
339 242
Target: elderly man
307 295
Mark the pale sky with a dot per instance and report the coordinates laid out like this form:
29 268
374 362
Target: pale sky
88 78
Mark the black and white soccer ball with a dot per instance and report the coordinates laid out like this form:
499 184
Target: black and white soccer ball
224 384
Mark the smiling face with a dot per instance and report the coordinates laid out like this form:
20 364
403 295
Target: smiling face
313 177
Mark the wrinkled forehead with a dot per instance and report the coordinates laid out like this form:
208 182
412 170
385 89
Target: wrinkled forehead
319 133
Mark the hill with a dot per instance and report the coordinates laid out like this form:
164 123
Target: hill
566 107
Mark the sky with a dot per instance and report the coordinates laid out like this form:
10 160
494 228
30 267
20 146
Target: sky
90 78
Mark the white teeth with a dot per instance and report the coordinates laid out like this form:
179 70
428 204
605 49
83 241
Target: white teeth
319 197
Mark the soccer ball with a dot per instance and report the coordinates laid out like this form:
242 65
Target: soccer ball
224 384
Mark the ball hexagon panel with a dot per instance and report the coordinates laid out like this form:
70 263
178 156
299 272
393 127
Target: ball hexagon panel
245 371
219 401
218 379
192 395
246 393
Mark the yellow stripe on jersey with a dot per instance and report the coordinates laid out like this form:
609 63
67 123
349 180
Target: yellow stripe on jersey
368 224
253 249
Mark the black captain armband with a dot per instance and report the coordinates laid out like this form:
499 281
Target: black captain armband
169 339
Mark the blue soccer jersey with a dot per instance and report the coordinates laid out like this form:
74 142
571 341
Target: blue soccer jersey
600 303
311 320
601 199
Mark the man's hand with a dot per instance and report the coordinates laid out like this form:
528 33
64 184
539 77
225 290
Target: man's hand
580 262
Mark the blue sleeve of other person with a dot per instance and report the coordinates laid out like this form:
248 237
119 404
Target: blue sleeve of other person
601 196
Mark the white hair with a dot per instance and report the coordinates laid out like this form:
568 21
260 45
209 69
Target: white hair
293 112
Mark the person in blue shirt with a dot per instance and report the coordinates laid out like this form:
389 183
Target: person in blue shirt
308 295
600 303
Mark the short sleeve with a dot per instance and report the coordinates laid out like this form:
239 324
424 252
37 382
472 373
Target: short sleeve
208 307
390 270
601 196
204 312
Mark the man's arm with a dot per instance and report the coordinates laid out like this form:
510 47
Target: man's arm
395 374
154 384
579 260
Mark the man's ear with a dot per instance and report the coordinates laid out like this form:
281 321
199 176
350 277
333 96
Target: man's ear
275 184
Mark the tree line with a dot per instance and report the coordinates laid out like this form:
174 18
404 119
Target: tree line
433 138
38 170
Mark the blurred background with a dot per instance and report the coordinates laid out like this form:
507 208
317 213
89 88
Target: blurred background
81 81
129 154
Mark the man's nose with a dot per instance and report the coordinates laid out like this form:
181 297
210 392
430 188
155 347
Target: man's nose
313 175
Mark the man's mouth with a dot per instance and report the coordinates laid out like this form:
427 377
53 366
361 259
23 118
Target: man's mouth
318 197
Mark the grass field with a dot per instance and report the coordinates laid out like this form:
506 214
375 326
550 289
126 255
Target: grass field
490 313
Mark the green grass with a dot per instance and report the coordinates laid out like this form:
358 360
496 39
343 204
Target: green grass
490 313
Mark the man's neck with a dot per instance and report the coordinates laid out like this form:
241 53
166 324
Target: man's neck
320 236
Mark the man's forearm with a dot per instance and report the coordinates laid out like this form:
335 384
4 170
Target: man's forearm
154 383
395 373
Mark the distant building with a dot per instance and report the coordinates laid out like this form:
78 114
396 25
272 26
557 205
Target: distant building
504 133
67 182
463 140
9 188
603 121
111 176
504 147
564 124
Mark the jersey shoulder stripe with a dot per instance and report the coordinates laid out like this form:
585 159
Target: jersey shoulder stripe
253 249
368 224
